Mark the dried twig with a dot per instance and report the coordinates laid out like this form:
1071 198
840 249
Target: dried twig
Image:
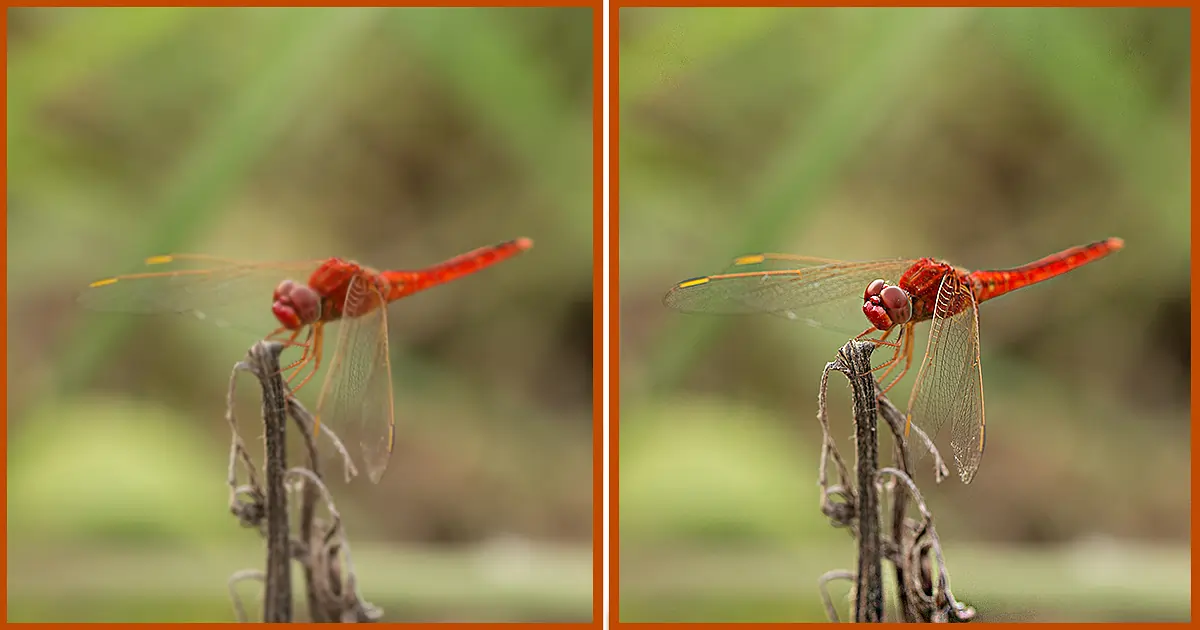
911 545
854 359
321 548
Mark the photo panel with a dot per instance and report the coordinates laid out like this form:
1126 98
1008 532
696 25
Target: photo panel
774 163
403 201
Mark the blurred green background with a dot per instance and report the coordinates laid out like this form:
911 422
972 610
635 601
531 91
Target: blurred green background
988 138
398 138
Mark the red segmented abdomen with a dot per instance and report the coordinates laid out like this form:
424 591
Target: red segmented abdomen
406 283
990 284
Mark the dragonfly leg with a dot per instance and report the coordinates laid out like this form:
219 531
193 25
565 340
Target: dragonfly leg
882 341
290 341
891 364
316 337
305 356
906 342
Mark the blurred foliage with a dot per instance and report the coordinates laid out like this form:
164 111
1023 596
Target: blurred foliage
396 137
985 137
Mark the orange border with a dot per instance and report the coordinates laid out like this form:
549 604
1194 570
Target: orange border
597 275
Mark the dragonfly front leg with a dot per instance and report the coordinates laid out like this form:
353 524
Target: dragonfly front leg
316 336
290 341
906 343
882 341
298 364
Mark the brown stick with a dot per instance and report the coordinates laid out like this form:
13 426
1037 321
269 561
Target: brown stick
277 598
911 544
321 547
868 584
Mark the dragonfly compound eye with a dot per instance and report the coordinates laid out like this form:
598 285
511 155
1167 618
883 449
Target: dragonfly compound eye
296 305
896 301
874 289
886 305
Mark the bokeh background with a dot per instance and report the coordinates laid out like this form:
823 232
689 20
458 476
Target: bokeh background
398 138
988 138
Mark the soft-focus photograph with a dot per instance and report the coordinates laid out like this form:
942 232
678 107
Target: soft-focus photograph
905 315
300 315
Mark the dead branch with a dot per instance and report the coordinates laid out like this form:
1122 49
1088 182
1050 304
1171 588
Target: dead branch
854 359
321 547
911 545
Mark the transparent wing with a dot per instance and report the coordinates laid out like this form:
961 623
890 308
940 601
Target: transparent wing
227 291
356 399
949 386
825 294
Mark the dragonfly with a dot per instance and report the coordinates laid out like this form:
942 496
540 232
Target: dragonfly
894 295
357 391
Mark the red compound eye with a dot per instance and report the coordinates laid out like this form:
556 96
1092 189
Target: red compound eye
886 305
896 301
296 305
874 289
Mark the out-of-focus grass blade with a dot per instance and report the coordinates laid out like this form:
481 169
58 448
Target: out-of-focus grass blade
298 48
1095 81
811 161
511 88
88 42
686 39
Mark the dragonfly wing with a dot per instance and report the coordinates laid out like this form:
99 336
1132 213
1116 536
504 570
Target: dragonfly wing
825 295
949 385
223 290
357 396
767 261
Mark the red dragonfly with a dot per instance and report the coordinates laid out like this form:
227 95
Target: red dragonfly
895 295
357 394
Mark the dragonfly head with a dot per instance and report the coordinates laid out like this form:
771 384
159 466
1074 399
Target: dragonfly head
296 305
886 305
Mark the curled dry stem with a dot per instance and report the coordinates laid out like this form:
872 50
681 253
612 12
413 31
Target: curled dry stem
239 609
823 586
838 501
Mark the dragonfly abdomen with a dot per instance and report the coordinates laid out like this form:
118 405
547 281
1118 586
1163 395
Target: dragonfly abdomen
405 283
992 284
